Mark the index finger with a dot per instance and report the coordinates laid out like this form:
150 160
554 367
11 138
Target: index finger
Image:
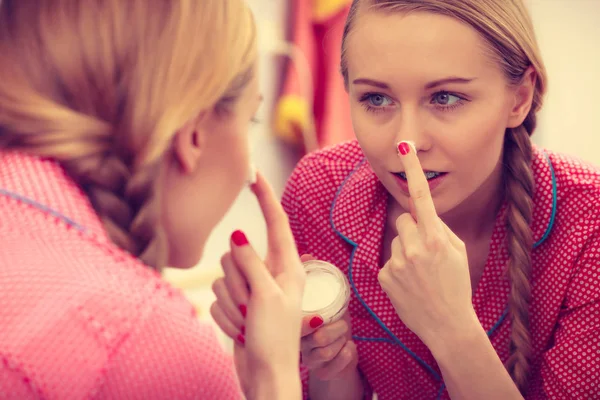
418 187
280 239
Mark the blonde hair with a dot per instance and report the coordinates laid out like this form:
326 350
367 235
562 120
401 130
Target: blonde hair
103 86
508 30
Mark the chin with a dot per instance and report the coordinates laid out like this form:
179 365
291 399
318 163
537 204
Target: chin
180 259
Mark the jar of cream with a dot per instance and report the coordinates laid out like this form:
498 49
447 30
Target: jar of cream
326 291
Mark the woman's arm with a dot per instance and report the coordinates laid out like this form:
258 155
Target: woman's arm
278 384
470 366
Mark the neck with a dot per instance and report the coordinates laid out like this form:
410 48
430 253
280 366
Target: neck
475 217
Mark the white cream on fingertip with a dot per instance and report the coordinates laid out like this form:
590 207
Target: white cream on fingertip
252 171
412 145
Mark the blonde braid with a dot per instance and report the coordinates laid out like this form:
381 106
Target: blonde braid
104 87
124 202
519 184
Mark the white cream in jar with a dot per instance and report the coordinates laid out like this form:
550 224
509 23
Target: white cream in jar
326 292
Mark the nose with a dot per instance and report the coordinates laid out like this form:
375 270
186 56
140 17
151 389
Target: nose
411 127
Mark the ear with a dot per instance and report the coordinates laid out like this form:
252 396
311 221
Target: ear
523 97
189 143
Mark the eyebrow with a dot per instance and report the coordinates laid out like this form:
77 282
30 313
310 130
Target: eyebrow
430 85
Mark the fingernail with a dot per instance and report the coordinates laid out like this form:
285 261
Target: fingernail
403 148
241 338
316 322
239 239
243 330
243 310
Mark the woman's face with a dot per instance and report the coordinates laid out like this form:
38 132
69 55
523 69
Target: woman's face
429 79
209 167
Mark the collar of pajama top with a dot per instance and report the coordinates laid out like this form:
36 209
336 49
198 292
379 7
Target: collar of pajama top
368 222
350 233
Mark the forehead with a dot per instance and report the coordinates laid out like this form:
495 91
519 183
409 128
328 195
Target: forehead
415 45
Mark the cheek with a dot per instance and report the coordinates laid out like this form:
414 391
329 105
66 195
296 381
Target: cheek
477 134
375 135
236 158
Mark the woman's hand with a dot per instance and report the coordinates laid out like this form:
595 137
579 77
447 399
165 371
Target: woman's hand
427 277
259 305
328 350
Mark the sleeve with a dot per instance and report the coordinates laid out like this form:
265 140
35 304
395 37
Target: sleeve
171 355
571 367
292 114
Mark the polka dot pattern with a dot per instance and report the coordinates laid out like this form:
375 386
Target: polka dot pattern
80 318
565 309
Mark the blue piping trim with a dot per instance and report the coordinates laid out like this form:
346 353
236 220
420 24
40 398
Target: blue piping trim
372 339
554 203
42 208
395 340
354 245
441 391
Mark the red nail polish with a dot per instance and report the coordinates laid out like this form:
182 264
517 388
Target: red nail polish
243 330
239 239
241 338
243 310
403 148
316 322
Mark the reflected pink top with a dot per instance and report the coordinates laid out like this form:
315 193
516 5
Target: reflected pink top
81 319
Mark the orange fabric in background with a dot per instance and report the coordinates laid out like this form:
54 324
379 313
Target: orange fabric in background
317 31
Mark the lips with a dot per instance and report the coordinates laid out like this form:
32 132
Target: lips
428 174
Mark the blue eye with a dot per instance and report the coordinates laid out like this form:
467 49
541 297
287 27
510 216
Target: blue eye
378 100
445 99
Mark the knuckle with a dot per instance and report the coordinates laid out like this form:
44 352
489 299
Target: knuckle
217 285
419 193
309 361
352 347
403 219
305 347
434 243
345 356
383 275
215 312
225 259
320 338
412 255
324 354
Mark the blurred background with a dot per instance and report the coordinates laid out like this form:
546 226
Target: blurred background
299 45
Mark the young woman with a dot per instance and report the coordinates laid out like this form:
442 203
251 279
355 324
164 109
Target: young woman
473 257
123 141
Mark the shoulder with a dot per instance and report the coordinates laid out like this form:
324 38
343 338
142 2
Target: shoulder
576 183
122 316
322 172
574 174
